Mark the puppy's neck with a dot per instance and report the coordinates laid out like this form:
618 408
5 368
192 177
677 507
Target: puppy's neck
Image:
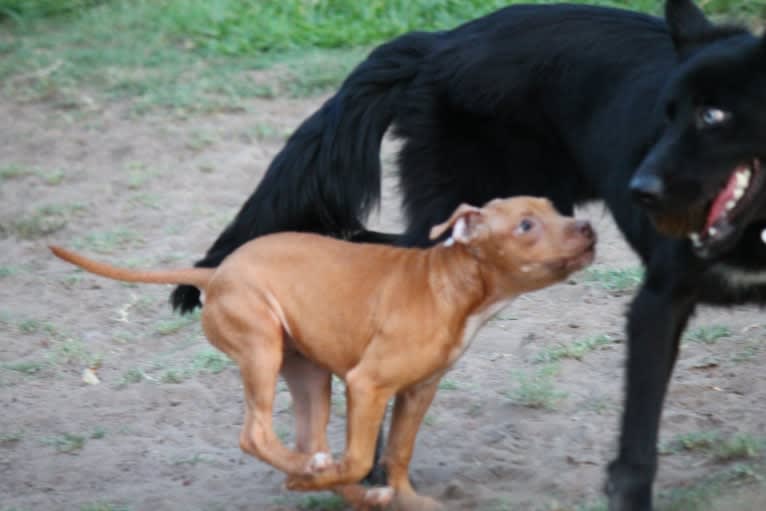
458 279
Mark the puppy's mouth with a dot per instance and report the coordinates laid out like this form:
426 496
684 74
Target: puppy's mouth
715 225
578 261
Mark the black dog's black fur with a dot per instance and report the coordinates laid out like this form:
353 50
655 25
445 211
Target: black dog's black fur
563 101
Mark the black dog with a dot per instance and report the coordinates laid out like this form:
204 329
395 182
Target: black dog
575 103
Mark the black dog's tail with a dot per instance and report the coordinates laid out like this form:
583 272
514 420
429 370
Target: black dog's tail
327 177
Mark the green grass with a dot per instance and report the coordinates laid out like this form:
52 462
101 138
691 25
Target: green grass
698 495
33 326
28 367
43 221
536 389
703 494
322 503
137 52
108 241
98 433
177 323
740 446
11 438
13 171
173 376
210 360
132 376
39 8
66 442
201 56
708 334
205 361
74 352
103 506
617 280
447 384
192 460
8 271
575 350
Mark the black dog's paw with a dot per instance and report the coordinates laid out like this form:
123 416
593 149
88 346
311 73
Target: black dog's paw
629 488
376 477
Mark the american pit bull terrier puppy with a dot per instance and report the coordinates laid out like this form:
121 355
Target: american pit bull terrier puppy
388 321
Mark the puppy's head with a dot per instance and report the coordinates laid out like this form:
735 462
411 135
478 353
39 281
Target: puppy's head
523 241
705 177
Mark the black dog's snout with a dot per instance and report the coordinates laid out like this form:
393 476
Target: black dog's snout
647 190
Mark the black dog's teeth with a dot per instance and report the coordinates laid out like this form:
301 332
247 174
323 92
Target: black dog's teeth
697 241
742 179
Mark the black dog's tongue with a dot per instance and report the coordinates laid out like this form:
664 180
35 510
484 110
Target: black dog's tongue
718 209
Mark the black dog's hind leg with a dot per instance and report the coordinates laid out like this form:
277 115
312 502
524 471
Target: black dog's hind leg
656 319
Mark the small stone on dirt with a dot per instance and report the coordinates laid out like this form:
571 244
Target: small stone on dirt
454 490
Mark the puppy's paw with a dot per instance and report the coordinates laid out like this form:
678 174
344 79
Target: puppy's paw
299 482
319 462
379 496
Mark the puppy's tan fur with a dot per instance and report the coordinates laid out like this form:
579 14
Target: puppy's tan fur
389 321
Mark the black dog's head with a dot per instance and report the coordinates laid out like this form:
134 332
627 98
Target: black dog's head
705 177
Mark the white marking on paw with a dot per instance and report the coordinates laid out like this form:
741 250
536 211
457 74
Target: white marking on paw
379 496
319 461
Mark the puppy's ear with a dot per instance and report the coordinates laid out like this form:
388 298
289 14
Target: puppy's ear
687 23
466 224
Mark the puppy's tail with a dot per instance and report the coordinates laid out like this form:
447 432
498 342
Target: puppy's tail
327 177
197 277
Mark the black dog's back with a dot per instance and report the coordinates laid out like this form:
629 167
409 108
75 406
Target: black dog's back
475 107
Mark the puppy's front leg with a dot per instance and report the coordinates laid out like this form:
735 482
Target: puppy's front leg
367 400
409 410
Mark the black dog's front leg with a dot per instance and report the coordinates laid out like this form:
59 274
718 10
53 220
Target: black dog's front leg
656 319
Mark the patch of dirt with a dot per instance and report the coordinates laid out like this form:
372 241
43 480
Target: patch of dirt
161 430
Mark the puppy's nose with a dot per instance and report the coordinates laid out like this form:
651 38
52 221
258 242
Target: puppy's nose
582 228
647 189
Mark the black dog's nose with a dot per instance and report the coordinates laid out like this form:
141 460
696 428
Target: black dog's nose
647 190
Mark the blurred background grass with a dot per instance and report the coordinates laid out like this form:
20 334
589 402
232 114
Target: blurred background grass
200 55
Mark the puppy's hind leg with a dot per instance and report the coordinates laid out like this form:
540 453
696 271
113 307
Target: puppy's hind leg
310 386
367 396
260 357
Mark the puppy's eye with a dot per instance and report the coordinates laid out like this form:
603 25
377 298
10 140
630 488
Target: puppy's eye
525 226
707 117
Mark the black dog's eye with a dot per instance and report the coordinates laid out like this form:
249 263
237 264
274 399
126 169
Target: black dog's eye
524 226
707 117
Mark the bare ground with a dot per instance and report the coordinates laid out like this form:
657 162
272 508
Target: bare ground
507 432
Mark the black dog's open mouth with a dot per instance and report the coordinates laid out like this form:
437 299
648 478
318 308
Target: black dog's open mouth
727 213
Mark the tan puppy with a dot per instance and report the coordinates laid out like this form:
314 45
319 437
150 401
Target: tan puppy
389 321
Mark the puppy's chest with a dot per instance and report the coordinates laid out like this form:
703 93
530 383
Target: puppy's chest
472 326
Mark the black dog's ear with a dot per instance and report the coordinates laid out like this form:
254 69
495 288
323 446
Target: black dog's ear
687 23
